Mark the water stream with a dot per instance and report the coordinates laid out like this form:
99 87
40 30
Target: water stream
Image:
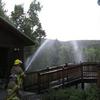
78 57
31 59
77 53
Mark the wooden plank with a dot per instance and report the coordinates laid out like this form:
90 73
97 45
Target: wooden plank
59 76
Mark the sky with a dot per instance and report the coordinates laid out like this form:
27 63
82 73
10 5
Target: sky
66 19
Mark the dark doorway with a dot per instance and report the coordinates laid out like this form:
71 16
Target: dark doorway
3 62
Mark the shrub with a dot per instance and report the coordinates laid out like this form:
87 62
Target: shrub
71 94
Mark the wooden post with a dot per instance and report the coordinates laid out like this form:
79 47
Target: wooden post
63 75
98 77
82 81
98 81
48 80
39 82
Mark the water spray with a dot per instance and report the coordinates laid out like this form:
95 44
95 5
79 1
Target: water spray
77 52
31 59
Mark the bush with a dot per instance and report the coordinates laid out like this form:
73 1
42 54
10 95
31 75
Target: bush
71 94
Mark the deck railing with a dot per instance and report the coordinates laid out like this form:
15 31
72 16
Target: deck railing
61 76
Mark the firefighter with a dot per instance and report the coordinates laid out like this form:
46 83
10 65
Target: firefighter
16 80
18 71
12 90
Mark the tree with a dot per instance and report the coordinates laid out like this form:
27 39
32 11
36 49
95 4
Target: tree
29 22
17 16
2 10
36 27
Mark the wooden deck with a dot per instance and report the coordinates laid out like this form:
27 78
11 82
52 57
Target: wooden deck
60 76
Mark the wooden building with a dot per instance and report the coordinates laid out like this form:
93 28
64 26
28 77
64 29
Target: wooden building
12 43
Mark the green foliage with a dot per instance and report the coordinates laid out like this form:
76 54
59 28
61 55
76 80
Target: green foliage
18 16
92 54
37 31
2 10
29 22
71 94
91 93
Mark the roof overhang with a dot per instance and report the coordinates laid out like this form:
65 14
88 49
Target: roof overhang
7 26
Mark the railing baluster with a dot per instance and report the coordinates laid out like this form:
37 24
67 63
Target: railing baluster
39 82
82 81
64 75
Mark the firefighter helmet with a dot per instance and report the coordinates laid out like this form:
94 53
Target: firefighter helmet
17 61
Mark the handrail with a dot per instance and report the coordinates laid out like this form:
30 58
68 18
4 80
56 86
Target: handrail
60 76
